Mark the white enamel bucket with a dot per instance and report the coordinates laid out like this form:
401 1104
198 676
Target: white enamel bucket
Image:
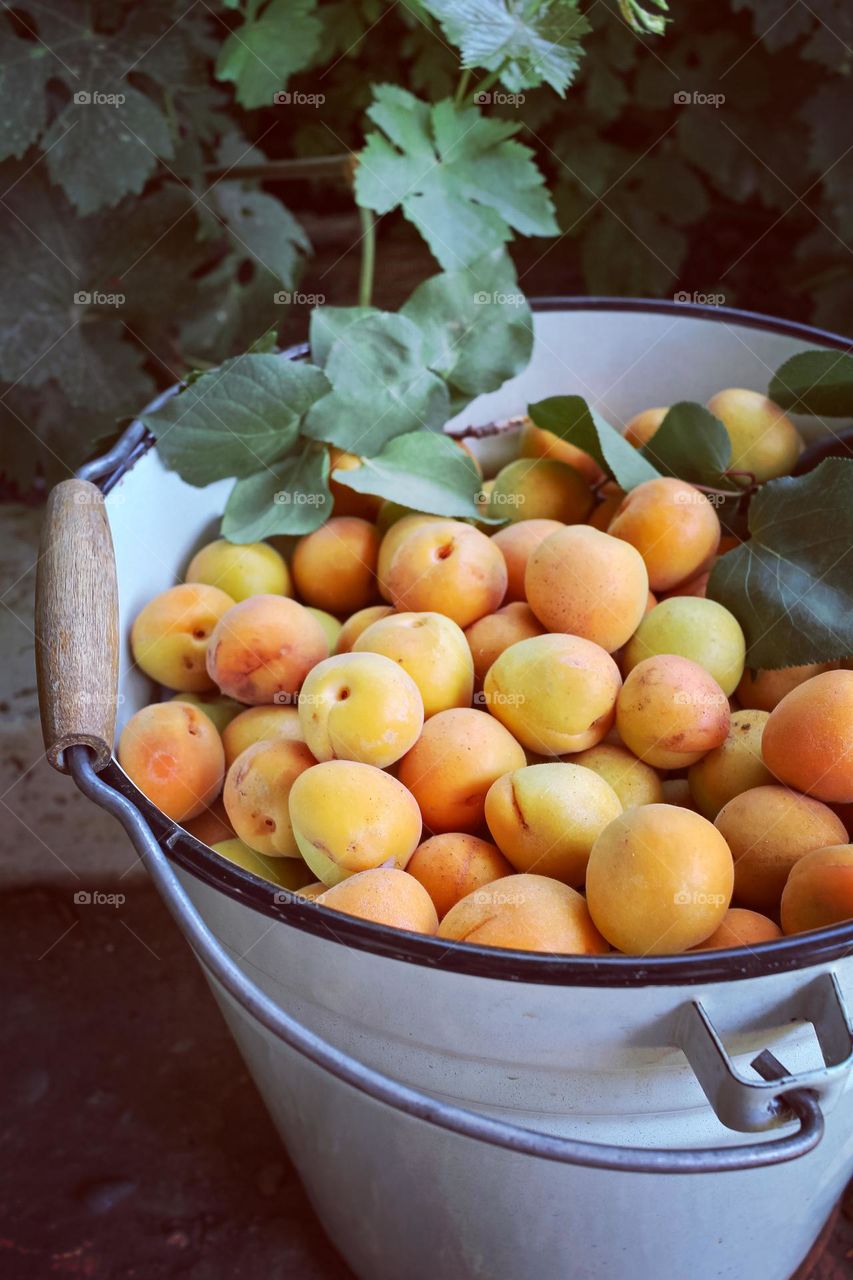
470 1114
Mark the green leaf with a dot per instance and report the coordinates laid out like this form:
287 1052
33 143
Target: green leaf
25 68
274 42
326 326
463 180
642 19
261 226
381 387
525 42
423 470
235 419
571 418
791 585
817 382
691 444
477 326
290 497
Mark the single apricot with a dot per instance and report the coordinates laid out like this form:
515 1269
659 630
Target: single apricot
610 498
697 586
454 864
634 781
764 690
434 652
537 442
736 765
257 787
741 928
659 880
640 429
672 525
334 568
216 707
241 569
211 826
525 913
458 756
808 740
357 623
448 567
396 533
488 637
288 873
764 440
329 623
517 542
588 584
555 693
360 706
384 895
540 489
346 501
350 817
819 890
259 724
768 830
670 712
695 628
172 752
546 818
170 635
263 648
677 791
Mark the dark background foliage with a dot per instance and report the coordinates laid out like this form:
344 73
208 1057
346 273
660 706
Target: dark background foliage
148 239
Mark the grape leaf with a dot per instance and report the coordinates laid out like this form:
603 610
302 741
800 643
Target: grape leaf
791 585
326 326
525 42
463 180
571 418
817 382
25 68
261 226
477 326
422 470
381 387
643 20
693 445
235 419
274 42
291 496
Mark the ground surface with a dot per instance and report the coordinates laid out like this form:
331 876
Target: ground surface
135 1145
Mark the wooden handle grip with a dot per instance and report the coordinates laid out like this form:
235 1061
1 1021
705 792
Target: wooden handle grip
77 624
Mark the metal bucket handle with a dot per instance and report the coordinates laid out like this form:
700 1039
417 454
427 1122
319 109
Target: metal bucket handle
76 612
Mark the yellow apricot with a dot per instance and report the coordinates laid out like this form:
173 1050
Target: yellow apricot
764 441
458 756
808 740
488 637
216 707
334 568
540 489
768 830
546 818
734 766
257 787
517 542
634 781
524 913
741 928
536 442
360 706
172 752
170 635
677 791
588 584
640 429
258 724
384 895
610 498
672 525
819 890
346 501
555 693
329 623
447 567
454 864
393 537
288 873
241 569
659 880
434 652
670 712
211 826
350 817
263 648
764 690
695 628
357 623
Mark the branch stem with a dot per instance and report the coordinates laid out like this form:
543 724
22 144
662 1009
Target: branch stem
368 257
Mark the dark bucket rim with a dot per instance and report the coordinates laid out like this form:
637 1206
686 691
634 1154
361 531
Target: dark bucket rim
784 955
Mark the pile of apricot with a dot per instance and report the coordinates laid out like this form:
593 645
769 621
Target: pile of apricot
540 738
